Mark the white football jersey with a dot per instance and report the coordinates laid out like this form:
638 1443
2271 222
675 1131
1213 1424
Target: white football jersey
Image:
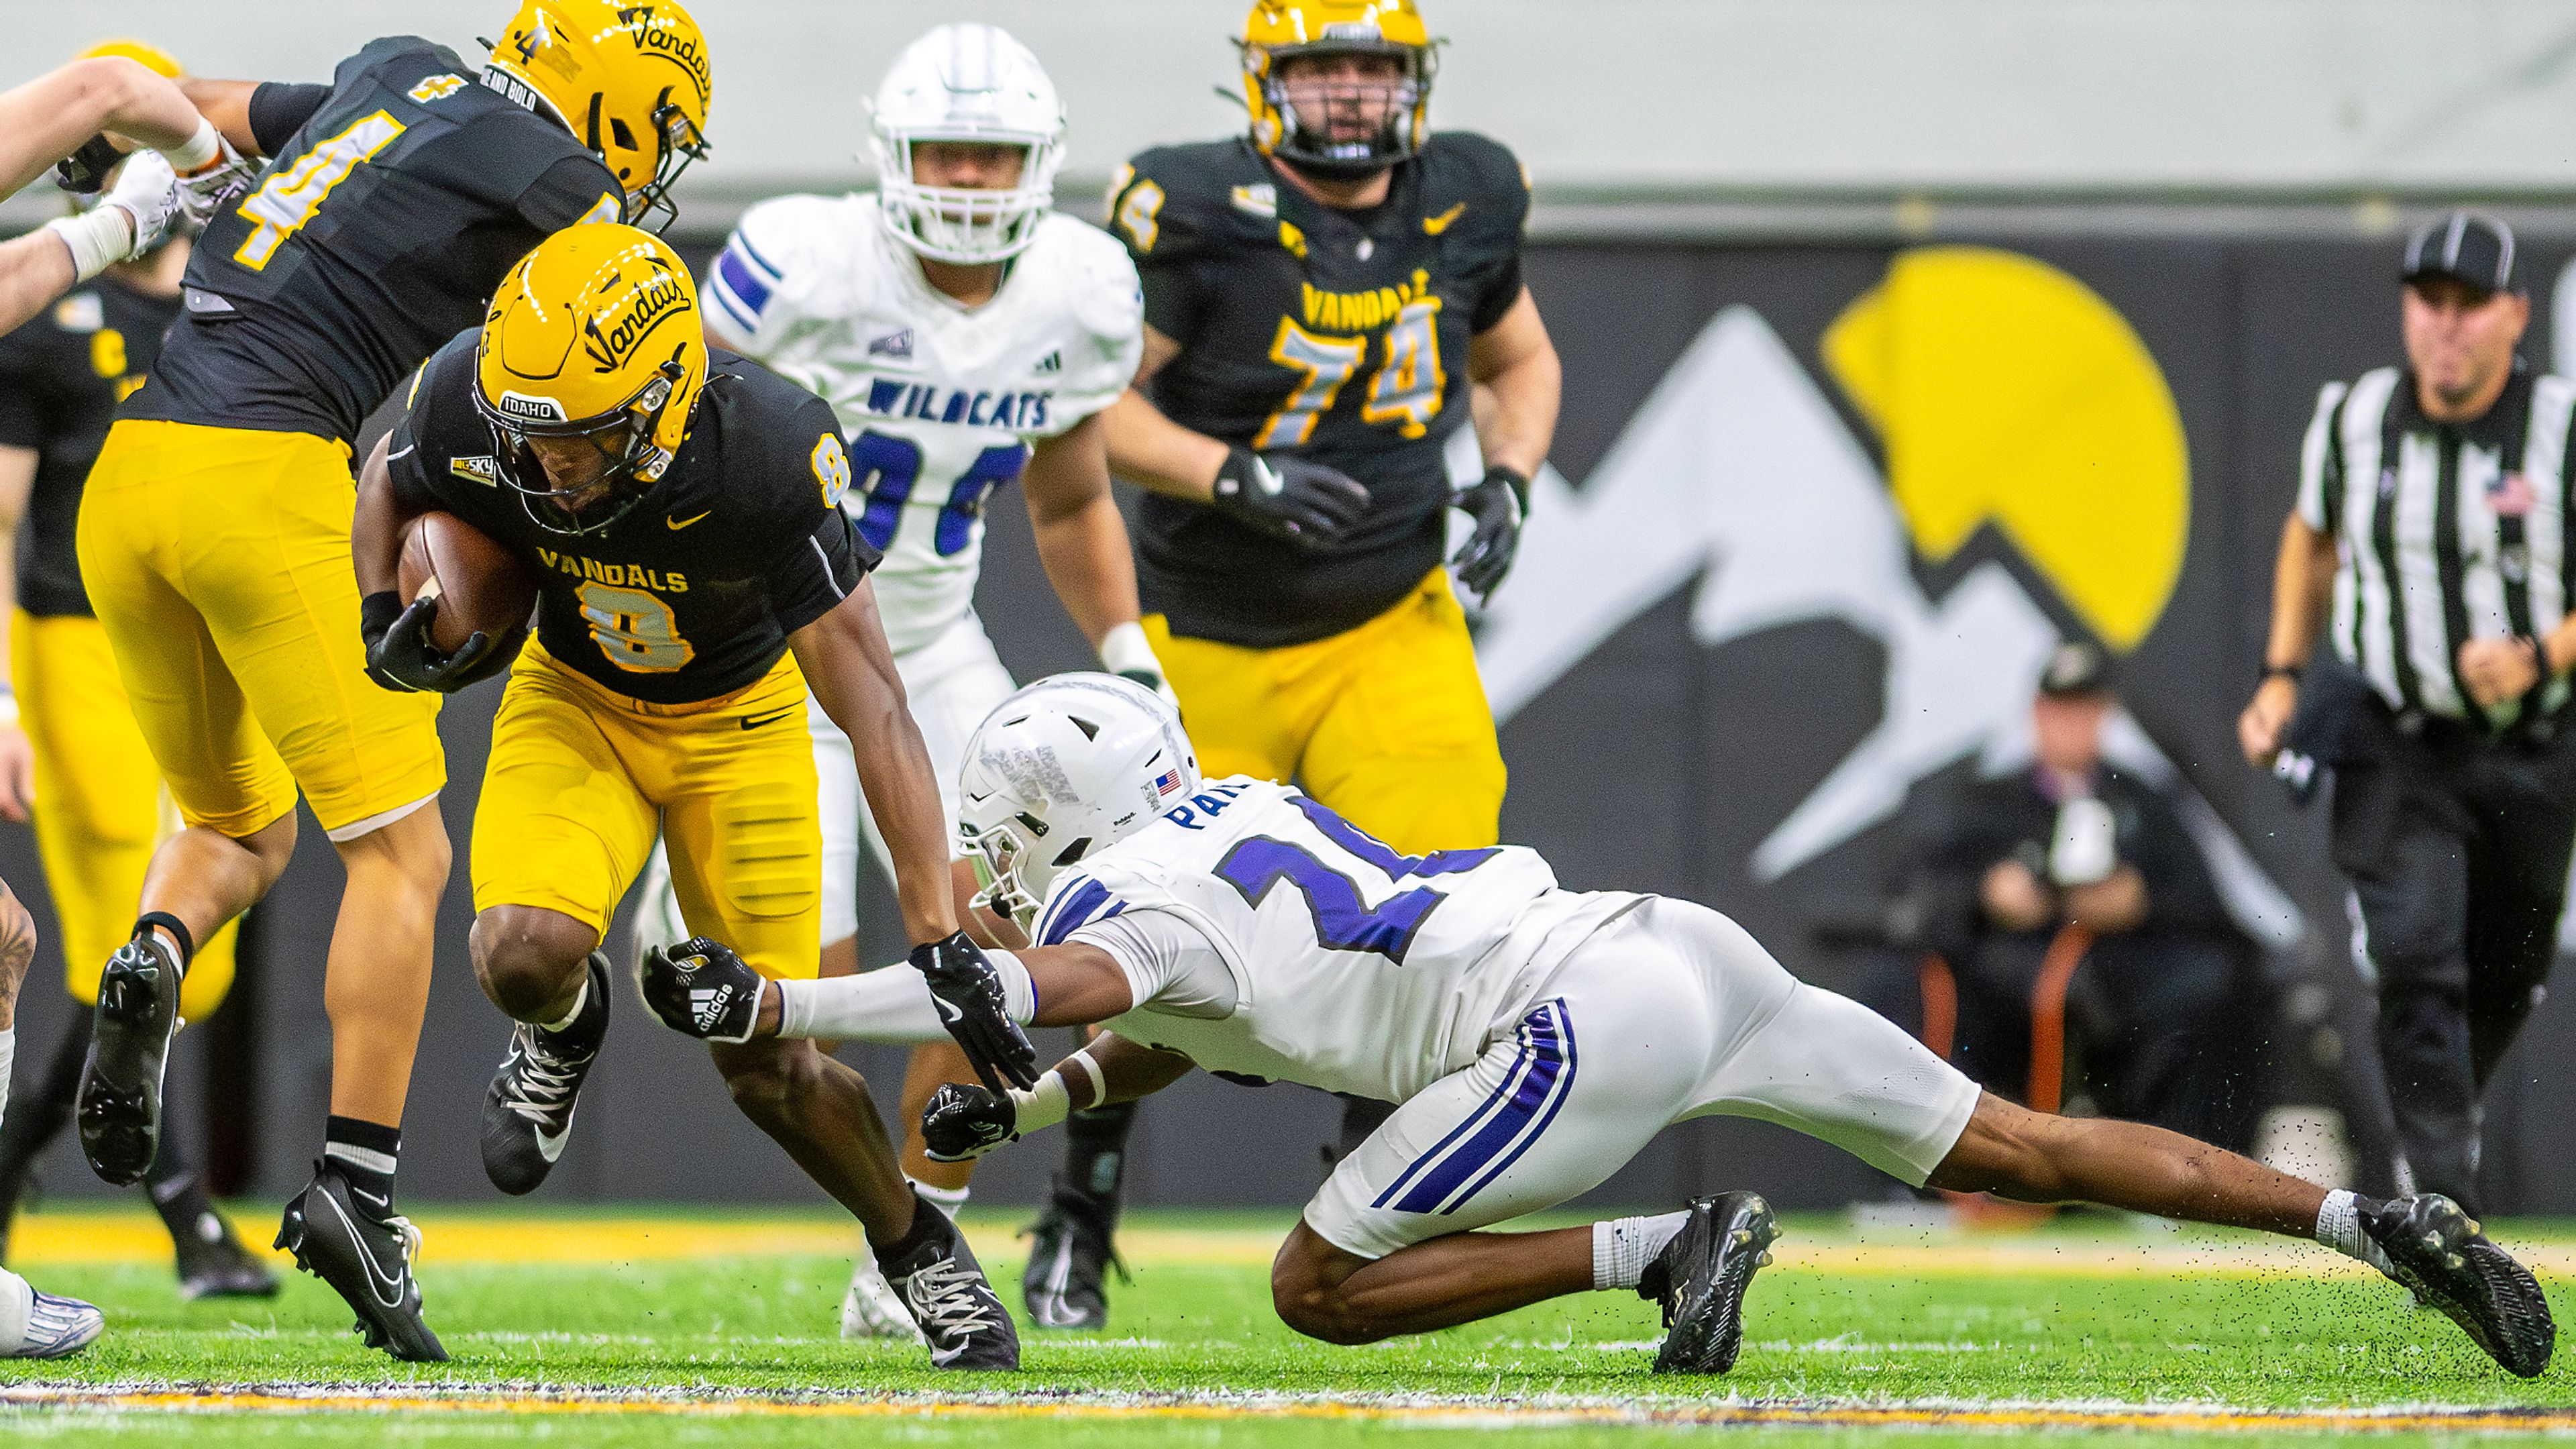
941 403
1356 969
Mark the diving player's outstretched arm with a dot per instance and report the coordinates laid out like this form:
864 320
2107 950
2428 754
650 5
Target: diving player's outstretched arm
850 669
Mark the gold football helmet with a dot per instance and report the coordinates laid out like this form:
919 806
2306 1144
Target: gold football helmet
1343 128
151 57
630 77
595 335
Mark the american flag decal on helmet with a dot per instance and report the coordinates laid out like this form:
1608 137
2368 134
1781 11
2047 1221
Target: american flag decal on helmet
1166 782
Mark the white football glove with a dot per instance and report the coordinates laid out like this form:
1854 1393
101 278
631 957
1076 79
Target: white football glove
203 192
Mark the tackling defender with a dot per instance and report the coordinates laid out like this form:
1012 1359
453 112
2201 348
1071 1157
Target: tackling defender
679 509
966 334
97 803
1535 1038
214 537
1323 299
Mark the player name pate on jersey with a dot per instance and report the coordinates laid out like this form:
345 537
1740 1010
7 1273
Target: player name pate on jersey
1356 969
941 402
692 594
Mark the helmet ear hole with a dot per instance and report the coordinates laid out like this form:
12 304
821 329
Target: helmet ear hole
1073 852
624 137
1090 730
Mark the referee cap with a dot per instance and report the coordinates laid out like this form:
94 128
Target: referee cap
2466 246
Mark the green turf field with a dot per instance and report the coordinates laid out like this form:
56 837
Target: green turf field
742 1349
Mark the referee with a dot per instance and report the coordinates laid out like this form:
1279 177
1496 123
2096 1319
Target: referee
2430 539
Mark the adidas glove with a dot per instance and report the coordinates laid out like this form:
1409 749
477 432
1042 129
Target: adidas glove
968 992
700 988
1306 503
1498 503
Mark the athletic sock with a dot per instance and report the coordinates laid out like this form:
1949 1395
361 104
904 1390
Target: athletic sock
1622 1247
365 1153
582 1028
949 1200
1095 1151
2339 1227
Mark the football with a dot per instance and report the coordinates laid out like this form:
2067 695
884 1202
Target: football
479 584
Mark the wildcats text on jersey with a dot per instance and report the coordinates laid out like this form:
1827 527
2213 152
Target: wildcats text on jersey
895 397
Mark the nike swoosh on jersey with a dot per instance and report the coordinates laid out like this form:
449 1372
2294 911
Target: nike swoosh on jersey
755 721
1434 225
676 524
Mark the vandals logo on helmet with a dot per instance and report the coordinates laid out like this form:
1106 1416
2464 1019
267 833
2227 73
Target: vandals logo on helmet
672 44
656 300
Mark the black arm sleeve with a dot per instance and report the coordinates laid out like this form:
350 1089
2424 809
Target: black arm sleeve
279 109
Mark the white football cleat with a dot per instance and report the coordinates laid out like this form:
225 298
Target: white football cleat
872 1309
42 1325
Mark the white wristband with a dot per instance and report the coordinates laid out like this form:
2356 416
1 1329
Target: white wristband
1125 647
96 238
1044 1105
198 150
8 706
1090 1069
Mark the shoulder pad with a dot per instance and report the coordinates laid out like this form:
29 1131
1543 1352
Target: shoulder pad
1461 166
412 49
1172 198
771 255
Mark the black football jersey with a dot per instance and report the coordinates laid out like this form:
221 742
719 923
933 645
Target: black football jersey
61 377
693 592
376 232
1338 336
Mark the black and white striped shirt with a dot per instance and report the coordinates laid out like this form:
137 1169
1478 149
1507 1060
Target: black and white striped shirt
2444 532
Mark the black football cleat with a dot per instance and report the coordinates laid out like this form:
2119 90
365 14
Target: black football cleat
1065 1284
527 1111
2437 1250
365 1254
956 1309
1700 1278
214 1264
120 1090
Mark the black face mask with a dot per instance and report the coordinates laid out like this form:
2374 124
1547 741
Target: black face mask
1313 149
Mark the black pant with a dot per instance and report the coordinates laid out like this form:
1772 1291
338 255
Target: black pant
2457 849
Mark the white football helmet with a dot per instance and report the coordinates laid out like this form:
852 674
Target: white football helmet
967 83
1060 771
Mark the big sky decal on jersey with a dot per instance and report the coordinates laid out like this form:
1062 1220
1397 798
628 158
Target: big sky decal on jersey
2007 394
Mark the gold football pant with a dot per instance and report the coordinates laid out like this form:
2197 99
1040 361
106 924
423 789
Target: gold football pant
218 560
99 804
1386 724
580 776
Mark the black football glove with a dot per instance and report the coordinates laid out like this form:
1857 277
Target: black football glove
968 992
1498 504
401 658
1306 503
700 988
961 1123
84 172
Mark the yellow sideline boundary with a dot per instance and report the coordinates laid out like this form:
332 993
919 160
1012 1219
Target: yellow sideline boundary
2205 1419
454 1239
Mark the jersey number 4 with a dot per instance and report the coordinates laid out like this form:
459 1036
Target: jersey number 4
1344 922
888 469
293 194
1406 391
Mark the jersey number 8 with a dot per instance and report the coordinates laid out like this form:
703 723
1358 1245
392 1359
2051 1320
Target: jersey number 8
634 629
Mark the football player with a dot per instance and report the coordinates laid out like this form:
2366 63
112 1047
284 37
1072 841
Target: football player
214 538
54 119
33 1324
1321 296
967 334
96 797
1535 1038
695 579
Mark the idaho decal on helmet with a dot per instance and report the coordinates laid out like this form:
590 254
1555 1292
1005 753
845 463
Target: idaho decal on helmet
632 80
976 85
595 335
1338 88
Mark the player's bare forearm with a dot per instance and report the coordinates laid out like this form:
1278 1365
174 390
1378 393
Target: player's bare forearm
17 485
850 669
1074 985
227 104
49 117
1081 539
375 535
1128 1070
34 270
1157 454
1514 364
2302 584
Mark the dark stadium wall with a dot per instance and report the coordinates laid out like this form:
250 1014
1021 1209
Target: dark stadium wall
1716 664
